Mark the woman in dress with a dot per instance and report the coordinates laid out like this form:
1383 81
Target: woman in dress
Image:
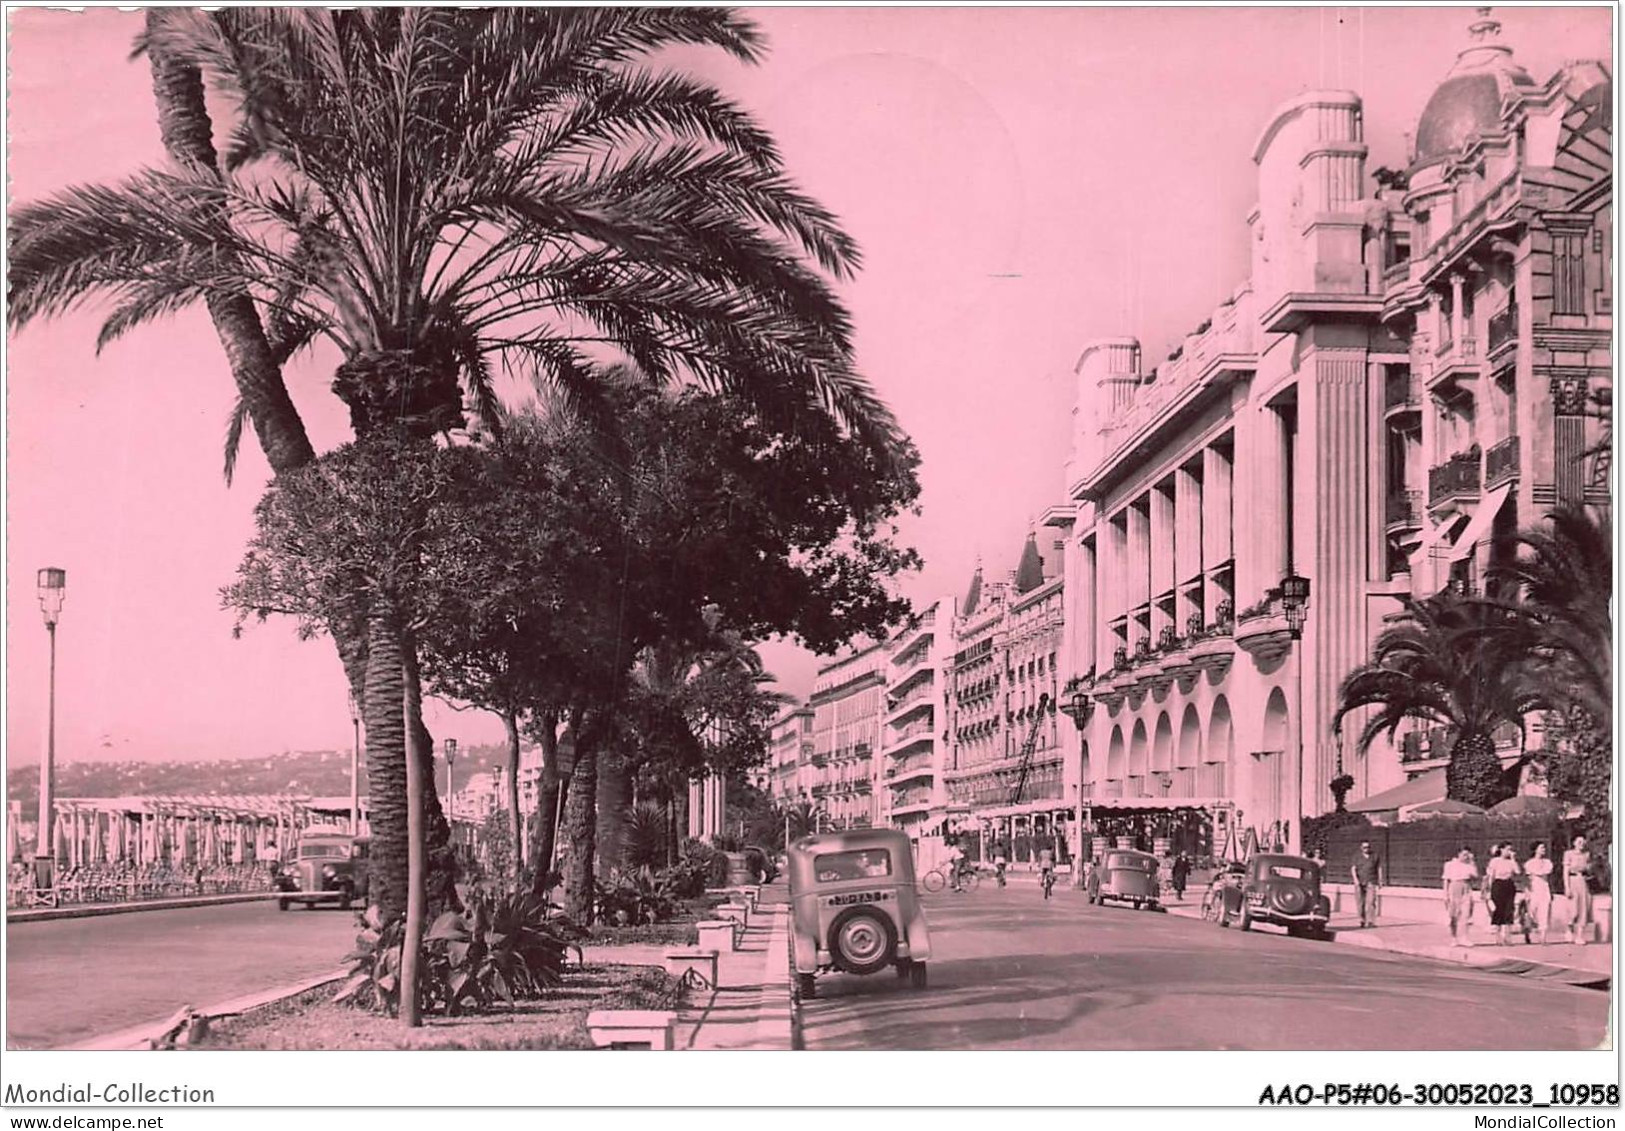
1576 877
1459 875
1539 871
1501 870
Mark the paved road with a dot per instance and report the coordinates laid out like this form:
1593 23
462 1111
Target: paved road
1011 972
73 979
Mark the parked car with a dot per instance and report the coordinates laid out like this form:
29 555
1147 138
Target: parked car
854 907
1126 876
1274 888
329 866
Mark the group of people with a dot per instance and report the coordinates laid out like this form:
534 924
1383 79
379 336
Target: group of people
1510 888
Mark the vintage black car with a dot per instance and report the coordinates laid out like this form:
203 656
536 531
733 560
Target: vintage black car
1275 888
329 866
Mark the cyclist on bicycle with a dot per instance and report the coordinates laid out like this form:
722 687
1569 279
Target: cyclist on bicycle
1000 861
1046 869
954 866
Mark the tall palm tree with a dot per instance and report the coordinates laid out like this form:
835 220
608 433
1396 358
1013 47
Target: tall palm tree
449 194
1451 660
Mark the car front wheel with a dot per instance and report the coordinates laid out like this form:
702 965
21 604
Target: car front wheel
1246 923
862 940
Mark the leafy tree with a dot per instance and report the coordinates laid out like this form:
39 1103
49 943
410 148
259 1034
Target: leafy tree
346 537
1454 661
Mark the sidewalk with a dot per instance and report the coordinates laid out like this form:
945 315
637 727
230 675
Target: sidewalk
751 1008
1590 966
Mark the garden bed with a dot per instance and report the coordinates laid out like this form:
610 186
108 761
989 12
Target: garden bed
313 1022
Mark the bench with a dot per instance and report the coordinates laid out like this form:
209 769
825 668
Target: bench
693 968
631 1028
720 935
738 912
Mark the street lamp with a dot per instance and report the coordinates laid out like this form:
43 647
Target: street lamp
53 585
1295 602
451 757
355 768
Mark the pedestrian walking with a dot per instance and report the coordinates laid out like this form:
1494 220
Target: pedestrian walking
1367 875
1538 871
1502 871
1576 885
1460 873
1181 874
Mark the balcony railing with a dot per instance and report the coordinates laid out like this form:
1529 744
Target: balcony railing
1404 509
1501 463
1458 478
1503 327
1399 391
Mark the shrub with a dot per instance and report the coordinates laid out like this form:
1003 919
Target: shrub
500 946
1317 831
374 980
644 837
634 899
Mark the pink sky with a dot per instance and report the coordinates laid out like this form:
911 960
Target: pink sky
1005 171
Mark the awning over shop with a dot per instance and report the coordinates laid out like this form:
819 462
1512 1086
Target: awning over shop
1026 809
1434 541
1418 791
1160 803
1483 518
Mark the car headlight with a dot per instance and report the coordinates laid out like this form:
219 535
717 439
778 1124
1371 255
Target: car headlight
327 872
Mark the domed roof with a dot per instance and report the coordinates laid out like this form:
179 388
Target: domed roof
1468 102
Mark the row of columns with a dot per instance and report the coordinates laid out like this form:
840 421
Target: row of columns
87 836
1153 545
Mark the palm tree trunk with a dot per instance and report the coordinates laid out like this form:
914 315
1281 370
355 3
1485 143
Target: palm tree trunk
580 819
384 707
416 897
440 857
516 826
547 798
187 133
1474 774
614 801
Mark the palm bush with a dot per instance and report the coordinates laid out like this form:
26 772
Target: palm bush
1452 660
503 947
644 844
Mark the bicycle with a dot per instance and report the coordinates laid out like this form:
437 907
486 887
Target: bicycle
937 879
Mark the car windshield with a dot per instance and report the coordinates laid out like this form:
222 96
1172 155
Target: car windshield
1132 863
859 865
324 852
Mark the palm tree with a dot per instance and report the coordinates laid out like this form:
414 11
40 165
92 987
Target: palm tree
1561 573
1451 660
450 194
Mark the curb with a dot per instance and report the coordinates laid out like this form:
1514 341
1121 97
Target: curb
91 910
776 1024
150 1035
1491 963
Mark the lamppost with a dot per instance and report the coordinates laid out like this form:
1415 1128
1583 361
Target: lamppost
451 757
355 768
1295 604
53 585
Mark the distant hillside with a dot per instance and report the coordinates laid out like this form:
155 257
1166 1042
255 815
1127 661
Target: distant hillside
318 773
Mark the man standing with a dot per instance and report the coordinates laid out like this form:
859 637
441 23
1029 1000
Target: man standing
1367 876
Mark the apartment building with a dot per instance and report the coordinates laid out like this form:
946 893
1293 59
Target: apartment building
914 745
1406 373
1006 659
848 705
791 757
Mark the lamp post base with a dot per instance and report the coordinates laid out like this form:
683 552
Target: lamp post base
44 873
